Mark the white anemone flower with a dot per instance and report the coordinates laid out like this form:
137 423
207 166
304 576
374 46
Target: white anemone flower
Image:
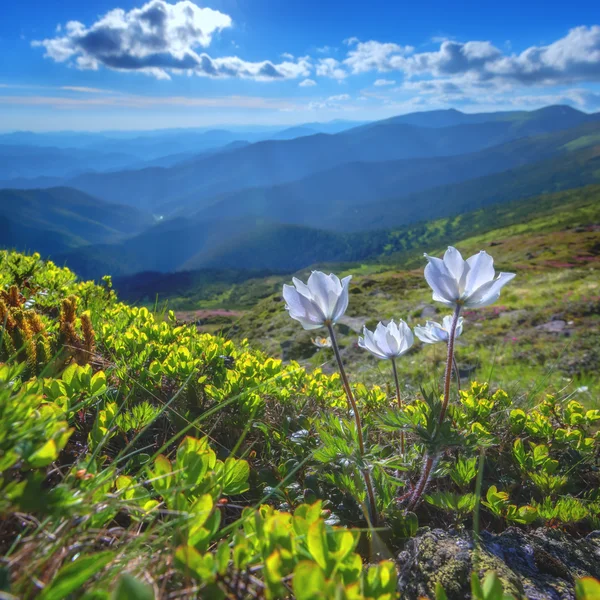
322 342
387 341
432 332
467 283
320 302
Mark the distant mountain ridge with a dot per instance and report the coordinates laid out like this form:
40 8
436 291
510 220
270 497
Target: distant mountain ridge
57 219
196 184
285 204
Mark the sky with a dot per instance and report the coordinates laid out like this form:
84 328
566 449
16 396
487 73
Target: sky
126 64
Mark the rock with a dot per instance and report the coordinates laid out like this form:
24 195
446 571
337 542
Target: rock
349 324
536 565
428 311
557 326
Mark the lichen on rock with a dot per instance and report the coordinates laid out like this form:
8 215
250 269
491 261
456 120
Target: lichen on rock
539 565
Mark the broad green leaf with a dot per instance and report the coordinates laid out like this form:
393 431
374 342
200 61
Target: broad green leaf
235 476
587 588
316 541
130 588
309 582
74 575
43 456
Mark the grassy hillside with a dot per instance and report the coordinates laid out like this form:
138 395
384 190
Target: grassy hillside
142 459
53 220
545 328
398 248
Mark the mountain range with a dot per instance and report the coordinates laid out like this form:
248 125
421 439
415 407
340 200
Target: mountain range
284 203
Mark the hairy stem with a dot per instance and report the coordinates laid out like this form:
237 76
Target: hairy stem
449 363
430 460
353 406
399 399
456 372
422 483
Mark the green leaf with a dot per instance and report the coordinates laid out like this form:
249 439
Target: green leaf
73 576
222 557
130 588
492 587
440 593
309 581
316 541
43 456
587 588
98 385
235 476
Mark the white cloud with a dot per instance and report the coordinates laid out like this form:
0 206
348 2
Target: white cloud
324 49
571 59
339 98
376 56
160 39
330 67
384 82
307 83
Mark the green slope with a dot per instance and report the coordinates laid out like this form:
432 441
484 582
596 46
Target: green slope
55 219
552 243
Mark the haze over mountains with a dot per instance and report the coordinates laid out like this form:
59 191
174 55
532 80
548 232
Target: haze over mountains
277 199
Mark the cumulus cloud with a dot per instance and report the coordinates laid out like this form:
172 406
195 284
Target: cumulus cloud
330 67
160 39
339 98
570 59
307 83
376 56
384 82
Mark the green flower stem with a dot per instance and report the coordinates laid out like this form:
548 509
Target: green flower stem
399 399
357 419
449 363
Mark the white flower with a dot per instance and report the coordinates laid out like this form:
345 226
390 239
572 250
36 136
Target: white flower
468 283
322 342
433 332
387 341
323 300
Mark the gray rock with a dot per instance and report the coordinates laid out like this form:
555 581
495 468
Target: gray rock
536 565
429 311
557 326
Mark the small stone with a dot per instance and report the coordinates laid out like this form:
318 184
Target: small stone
557 326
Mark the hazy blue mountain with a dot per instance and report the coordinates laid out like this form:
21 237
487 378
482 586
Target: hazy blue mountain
327 199
56 219
262 240
195 184
560 115
567 170
33 161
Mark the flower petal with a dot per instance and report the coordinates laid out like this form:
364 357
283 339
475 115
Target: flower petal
368 343
342 302
438 277
481 270
454 263
489 292
308 324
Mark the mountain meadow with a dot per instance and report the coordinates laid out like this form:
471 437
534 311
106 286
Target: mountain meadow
192 407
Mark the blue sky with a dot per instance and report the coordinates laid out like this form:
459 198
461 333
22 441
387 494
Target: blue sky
121 64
